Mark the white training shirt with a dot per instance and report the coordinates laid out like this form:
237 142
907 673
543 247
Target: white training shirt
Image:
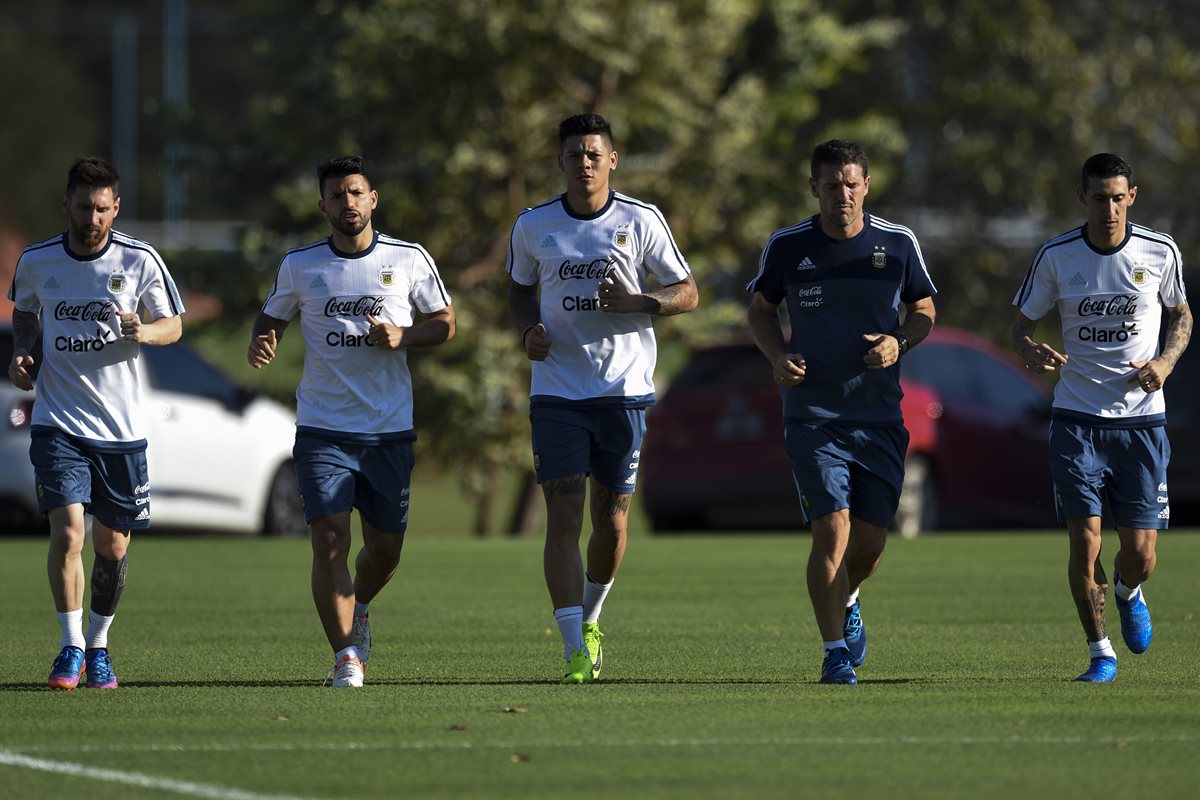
1111 304
595 354
350 386
88 382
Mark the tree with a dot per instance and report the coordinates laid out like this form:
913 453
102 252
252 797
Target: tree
713 106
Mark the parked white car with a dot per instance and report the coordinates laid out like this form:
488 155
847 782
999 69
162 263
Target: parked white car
220 456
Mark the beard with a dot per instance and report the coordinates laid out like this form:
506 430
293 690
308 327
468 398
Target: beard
89 236
351 228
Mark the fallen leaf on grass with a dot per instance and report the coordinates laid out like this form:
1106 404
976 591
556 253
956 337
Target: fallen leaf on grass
517 758
278 718
513 710
459 726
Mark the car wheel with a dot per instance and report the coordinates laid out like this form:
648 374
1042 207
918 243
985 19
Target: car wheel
918 509
284 516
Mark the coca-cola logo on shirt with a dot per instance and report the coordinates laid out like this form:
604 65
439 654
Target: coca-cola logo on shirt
91 311
1122 305
584 270
354 306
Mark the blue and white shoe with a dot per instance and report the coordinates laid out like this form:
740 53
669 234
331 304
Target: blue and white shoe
68 668
836 667
100 673
855 634
1101 670
1136 629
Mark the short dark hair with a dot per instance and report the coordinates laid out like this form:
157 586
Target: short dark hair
1105 165
584 125
94 173
340 167
839 153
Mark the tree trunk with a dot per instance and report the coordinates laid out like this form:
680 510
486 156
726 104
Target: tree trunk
527 510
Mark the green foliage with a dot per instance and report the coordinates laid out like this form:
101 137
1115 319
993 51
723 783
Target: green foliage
457 103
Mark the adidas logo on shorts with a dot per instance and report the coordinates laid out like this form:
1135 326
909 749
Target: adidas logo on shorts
143 515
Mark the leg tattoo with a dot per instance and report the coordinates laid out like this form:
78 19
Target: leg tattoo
108 581
1096 601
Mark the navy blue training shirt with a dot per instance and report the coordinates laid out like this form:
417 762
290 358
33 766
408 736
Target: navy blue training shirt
836 291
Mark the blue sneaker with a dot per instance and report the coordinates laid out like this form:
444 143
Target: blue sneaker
855 634
67 669
1101 670
1136 629
836 667
100 673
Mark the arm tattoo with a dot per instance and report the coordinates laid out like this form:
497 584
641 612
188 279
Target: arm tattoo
678 298
1179 332
561 487
25 330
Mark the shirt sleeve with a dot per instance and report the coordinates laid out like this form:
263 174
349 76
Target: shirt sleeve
1171 288
767 281
917 283
1039 290
520 265
282 301
660 254
23 293
428 293
157 292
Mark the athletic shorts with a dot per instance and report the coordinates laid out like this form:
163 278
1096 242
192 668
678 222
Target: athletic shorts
1128 466
108 478
847 467
337 476
603 442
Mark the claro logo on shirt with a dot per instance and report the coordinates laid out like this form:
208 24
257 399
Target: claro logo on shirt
85 344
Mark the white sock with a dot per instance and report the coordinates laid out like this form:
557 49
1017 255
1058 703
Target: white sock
1124 592
71 623
1102 648
570 624
351 650
853 598
361 608
97 635
593 598
835 645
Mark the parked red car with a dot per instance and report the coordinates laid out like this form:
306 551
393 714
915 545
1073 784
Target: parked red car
978 422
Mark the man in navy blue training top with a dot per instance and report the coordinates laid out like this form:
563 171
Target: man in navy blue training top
844 275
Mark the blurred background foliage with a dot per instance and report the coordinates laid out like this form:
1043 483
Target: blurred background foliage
976 116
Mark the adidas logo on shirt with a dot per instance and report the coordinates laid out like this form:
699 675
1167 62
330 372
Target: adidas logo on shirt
1077 280
550 241
318 283
50 284
806 264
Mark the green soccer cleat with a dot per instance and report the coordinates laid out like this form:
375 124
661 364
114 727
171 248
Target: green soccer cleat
591 639
579 668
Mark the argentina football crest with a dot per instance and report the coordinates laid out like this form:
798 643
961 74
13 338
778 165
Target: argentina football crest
387 277
117 283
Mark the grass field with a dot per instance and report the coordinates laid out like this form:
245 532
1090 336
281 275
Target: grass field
709 689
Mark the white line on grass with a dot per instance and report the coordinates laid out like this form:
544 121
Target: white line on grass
451 744
209 790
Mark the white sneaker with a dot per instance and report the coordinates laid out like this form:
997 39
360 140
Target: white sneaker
360 636
348 671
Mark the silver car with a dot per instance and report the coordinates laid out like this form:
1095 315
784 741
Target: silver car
220 456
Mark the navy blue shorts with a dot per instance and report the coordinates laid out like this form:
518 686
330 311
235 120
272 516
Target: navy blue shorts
605 442
108 478
1128 466
847 467
338 476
